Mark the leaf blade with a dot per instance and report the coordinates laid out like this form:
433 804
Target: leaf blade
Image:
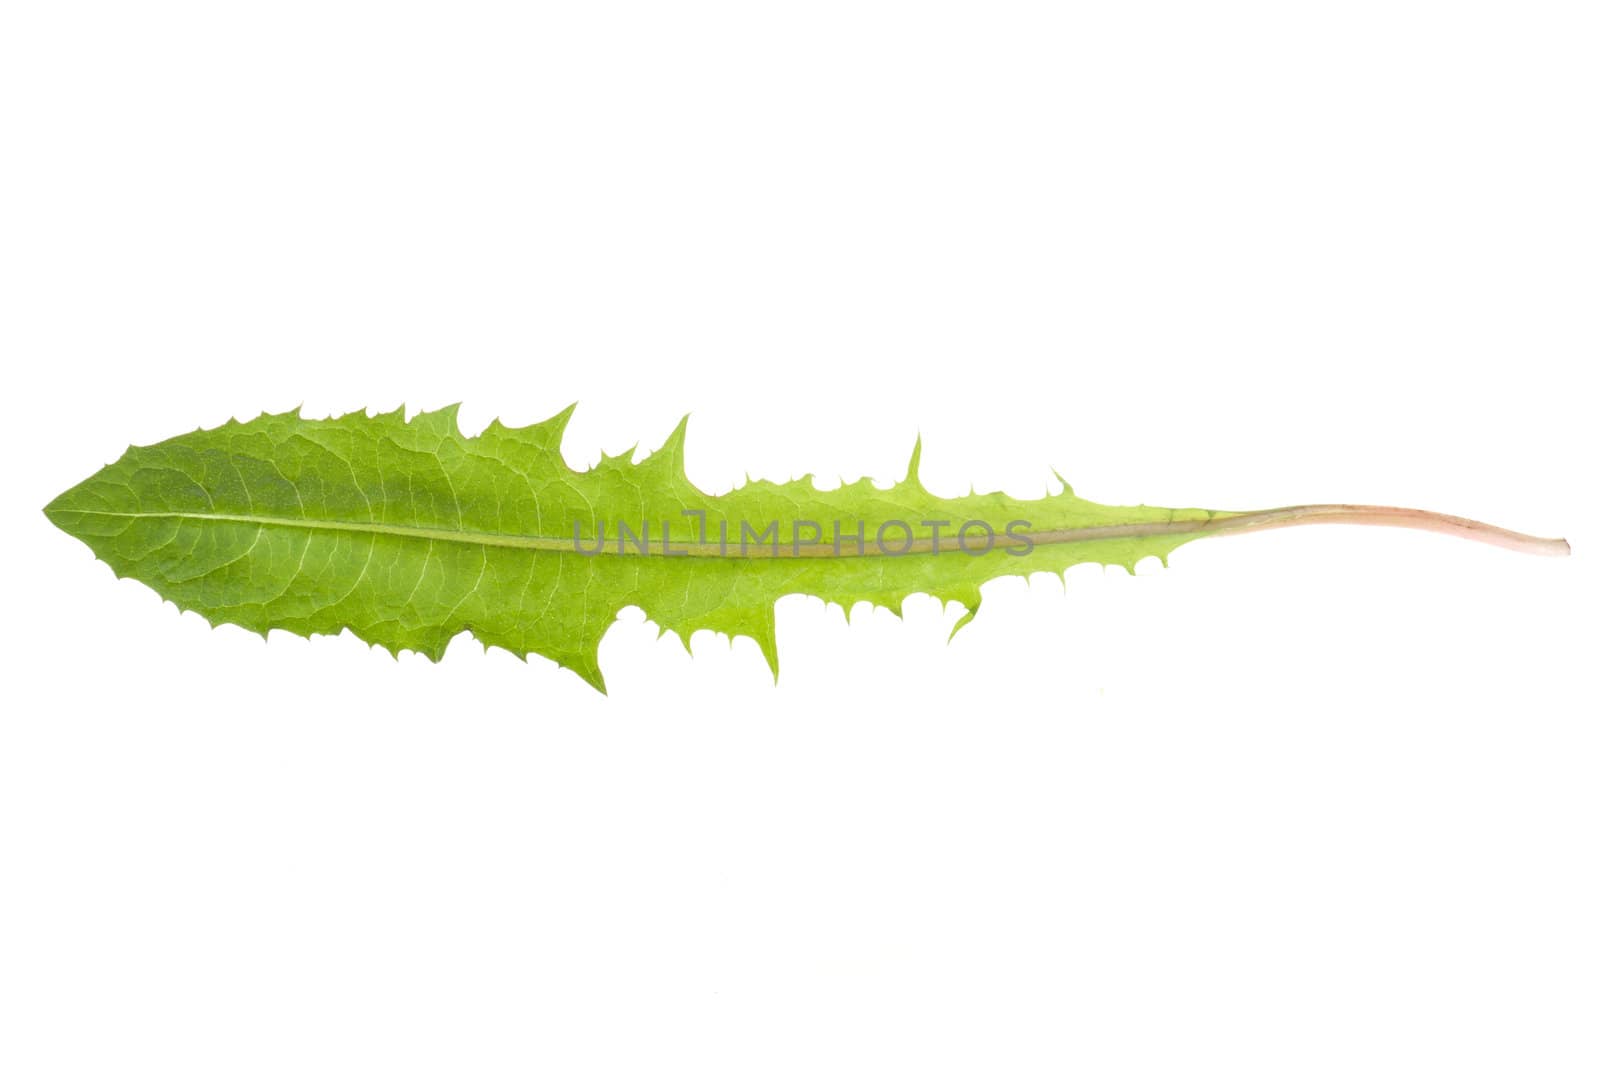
406 532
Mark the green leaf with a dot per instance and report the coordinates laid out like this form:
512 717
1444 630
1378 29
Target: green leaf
407 532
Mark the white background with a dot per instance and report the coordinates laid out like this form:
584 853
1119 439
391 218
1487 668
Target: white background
1315 796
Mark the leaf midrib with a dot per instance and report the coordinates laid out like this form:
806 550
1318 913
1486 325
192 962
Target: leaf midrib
1218 523
686 550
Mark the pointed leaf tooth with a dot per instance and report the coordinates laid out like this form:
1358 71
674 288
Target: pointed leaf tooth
669 457
914 468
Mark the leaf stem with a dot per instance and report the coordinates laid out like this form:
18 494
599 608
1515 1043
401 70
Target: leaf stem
1409 518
